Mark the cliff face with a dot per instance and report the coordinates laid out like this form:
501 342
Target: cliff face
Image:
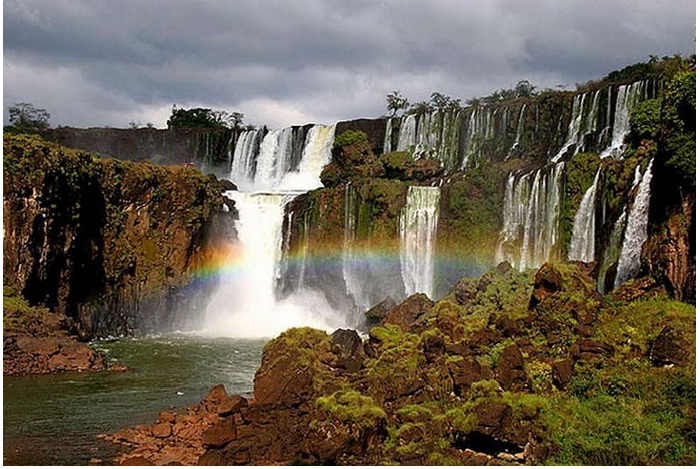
205 147
112 245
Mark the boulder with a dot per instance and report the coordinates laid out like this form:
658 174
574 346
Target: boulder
219 434
378 312
229 405
467 371
562 371
669 348
548 281
409 312
346 345
510 371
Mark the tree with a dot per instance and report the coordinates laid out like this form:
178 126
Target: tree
24 117
524 89
204 118
443 102
395 102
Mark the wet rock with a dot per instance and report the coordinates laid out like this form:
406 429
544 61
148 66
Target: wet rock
378 312
409 312
347 346
548 281
669 348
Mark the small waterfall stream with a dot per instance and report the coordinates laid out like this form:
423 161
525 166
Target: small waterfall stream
582 247
418 225
636 231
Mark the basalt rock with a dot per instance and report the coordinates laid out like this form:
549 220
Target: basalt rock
112 245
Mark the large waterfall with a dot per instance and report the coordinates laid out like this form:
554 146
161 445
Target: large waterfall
582 247
418 226
635 231
270 170
530 218
628 96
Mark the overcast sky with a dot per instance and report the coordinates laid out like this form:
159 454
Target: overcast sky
111 62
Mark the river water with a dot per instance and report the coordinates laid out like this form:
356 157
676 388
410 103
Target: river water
54 419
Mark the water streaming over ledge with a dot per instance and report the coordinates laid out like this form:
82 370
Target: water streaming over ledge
530 217
270 171
635 231
418 226
582 246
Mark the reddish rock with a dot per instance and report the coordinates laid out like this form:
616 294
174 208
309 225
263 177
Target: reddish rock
467 371
548 281
492 417
378 312
161 430
409 312
562 371
507 326
669 348
510 372
219 434
230 405
136 461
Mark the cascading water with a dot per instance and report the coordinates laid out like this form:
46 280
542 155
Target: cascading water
418 225
582 247
246 305
518 132
530 218
636 231
628 96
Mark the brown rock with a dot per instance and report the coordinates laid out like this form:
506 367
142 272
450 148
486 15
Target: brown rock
584 331
669 348
562 371
492 417
548 281
136 461
507 326
510 372
161 430
230 405
465 291
38 345
467 371
219 434
407 313
378 312
346 345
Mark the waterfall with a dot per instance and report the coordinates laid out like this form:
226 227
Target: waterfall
407 133
530 218
354 269
612 251
387 135
635 231
518 132
246 304
628 96
572 135
418 225
582 247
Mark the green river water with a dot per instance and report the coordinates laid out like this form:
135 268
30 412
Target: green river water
54 419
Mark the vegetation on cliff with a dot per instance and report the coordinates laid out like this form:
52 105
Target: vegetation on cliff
508 368
90 238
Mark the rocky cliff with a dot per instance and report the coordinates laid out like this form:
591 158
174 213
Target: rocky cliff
111 245
509 368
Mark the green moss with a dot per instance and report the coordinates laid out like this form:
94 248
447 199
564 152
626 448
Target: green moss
350 137
351 407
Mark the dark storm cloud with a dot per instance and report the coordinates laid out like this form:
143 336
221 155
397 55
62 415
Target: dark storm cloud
282 62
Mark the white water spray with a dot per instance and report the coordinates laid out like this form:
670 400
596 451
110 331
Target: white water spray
246 304
418 225
582 247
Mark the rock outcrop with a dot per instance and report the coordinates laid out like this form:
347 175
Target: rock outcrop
111 245
474 383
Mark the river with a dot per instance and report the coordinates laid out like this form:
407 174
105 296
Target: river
55 419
